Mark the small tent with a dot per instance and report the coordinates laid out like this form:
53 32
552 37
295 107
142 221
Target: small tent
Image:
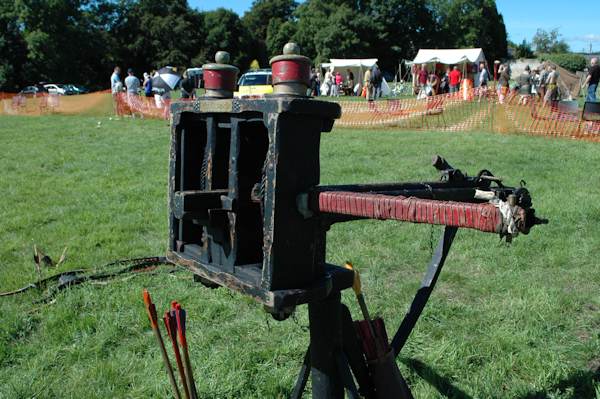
358 66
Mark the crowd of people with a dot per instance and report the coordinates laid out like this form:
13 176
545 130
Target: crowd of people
542 81
334 84
133 89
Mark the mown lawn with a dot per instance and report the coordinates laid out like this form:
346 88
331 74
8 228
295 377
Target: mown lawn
518 321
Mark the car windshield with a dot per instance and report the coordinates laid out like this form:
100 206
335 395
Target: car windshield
255 79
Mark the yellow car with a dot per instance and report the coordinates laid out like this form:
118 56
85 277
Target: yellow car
255 83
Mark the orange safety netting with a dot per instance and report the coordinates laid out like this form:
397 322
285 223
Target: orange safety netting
473 110
468 110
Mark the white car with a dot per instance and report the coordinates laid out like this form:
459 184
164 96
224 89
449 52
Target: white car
55 89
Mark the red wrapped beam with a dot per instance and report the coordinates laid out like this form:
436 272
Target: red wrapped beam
484 217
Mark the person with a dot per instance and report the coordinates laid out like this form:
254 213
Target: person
543 80
312 89
350 80
551 85
116 87
147 85
503 83
445 82
482 80
327 83
162 99
455 78
524 85
422 77
338 83
377 80
367 85
432 84
535 81
187 87
318 81
132 84
592 80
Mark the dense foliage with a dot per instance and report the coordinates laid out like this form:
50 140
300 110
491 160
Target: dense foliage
569 61
522 50
549 42
80 41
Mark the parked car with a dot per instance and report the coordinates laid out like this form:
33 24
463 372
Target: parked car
76 89
62 90
33 91
255 83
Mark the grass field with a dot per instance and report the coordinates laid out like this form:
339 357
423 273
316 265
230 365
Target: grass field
518 321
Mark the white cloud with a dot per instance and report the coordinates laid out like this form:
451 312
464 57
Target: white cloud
590 37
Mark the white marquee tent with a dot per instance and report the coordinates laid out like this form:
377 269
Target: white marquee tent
448 56
357 65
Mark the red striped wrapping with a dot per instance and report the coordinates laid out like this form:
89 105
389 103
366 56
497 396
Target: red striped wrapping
484 217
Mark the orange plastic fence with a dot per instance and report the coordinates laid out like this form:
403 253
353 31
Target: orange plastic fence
472 111
469 110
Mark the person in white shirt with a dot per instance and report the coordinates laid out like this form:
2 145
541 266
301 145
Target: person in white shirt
116 87
482 80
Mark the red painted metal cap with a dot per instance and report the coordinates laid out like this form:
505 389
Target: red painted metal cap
220 78
291 71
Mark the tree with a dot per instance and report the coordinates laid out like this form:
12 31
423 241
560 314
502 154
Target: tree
549 42
154 34
62 45
278 35
329 29
262 14
267 21
472 23
225 31
12 47
399 28
523 50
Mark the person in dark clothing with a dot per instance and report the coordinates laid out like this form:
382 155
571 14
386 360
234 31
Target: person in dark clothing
376 80
188 89
148 85
592 80
314 83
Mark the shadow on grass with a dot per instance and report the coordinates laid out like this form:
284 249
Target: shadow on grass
439 382
580 384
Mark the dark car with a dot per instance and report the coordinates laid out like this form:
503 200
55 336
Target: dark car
33 91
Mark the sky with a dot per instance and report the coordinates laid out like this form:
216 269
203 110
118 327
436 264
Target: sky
577 20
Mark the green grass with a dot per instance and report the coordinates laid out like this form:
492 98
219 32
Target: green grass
519 321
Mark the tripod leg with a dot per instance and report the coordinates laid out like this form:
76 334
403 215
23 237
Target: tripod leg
346 376
302 377
325 341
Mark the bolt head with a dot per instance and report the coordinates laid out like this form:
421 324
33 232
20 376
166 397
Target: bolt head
291 48
222 57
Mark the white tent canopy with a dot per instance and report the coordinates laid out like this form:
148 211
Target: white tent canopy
448 56
358 66
352 62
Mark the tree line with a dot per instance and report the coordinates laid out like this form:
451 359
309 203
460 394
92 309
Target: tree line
80 41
